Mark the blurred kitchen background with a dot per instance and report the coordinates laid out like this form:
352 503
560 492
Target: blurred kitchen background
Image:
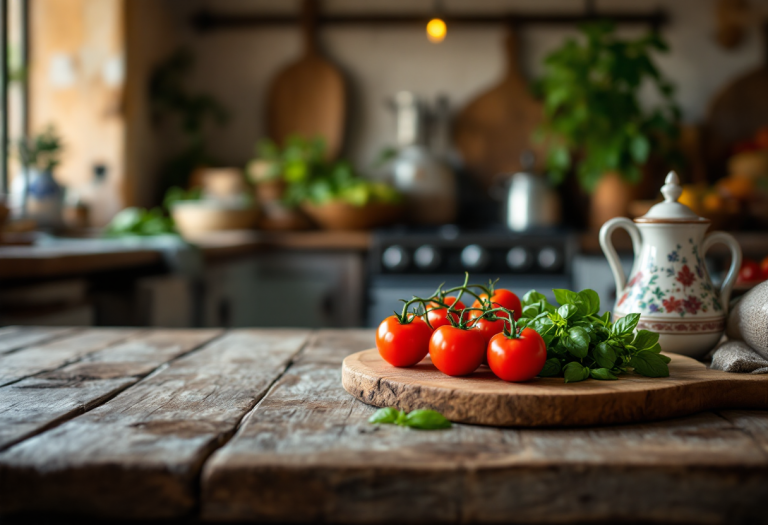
309 163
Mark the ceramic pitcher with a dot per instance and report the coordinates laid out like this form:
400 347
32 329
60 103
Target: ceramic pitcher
669 285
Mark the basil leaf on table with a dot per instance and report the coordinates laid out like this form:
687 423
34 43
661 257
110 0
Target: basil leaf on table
426 420
602 374
649 364
567 311
420 419
533 297
575 372
384 416
588 302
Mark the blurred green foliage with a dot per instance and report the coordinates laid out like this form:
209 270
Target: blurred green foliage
43 151
310 177
593 115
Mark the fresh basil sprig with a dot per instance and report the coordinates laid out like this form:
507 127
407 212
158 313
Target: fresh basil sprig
582 344
421 419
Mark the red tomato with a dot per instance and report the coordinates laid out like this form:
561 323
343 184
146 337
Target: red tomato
506 299
750 271
439 316
456 352
764 268
486 327
517 359
403 344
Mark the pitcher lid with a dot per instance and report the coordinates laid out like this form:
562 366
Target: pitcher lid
670 210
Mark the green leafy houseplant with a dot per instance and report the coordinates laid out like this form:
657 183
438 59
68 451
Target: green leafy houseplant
41 152
593 115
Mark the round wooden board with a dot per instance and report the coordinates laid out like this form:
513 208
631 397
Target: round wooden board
484 399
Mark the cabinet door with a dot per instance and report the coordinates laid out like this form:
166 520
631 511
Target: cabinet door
301 289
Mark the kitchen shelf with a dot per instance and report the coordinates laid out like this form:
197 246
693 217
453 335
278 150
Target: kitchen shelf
207 20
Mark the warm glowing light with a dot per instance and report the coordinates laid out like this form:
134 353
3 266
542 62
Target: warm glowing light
436 30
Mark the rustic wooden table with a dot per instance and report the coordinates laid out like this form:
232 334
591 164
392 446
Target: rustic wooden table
255 425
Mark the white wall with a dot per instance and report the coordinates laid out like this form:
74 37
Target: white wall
236 66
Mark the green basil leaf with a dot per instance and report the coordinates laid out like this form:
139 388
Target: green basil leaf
588 302
532 310
575 372
626 324
666 358
567 311
649 364
606 318
656 349
565 296
426 420
533 297
604 355
602 374
542 325
384 416
645 339
577 341
551 368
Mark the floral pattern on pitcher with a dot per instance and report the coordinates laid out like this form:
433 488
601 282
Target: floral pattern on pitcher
679 285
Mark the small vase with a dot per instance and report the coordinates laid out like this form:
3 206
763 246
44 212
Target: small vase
37 196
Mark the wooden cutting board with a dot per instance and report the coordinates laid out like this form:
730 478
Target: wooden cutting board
494 130
484 399
307 98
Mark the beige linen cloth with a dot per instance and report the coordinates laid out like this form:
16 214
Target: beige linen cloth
746 350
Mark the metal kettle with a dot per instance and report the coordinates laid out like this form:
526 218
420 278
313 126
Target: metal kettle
530 202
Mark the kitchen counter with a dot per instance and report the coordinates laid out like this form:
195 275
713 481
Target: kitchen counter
255 425
97 255
69 257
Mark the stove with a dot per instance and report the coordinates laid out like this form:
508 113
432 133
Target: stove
405 262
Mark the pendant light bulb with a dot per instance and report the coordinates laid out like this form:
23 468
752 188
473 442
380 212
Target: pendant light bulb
436 30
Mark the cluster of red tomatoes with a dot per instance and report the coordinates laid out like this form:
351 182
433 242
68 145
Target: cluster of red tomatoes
752 271
460 339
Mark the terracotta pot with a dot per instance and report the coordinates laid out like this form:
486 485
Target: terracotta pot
338 215
611 199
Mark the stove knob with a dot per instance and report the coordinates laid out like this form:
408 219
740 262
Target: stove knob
395 258
427 257
475 257
519 258
549 258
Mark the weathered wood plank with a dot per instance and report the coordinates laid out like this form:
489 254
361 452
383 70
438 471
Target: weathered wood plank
139 455
49 356
309 441
753 422
37 403
17 337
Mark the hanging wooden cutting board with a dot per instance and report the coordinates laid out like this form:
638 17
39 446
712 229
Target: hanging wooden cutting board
484 399
307 98
735 114
494 130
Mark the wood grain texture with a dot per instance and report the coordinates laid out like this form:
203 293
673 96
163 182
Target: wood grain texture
139 455
13 338
308 97
484 399
49 356
493 130
38 403
307 453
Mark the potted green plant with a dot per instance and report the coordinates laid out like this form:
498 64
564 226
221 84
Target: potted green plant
36 194
594 121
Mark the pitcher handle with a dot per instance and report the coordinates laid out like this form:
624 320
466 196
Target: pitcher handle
730 279
610 252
